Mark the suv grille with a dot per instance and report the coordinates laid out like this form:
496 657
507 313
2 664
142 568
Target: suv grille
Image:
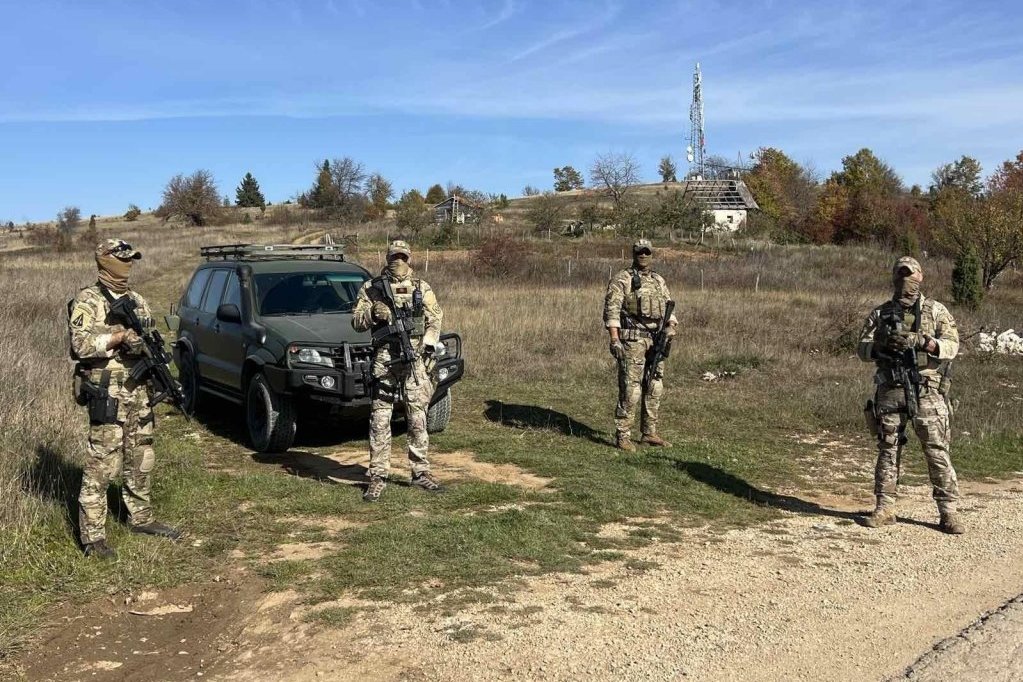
352 356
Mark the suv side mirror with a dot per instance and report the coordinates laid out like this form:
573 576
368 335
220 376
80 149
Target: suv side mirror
228 312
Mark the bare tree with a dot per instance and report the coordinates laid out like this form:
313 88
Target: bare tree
615 174
69 218
348 176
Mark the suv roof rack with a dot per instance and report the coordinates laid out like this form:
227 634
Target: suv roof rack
272 252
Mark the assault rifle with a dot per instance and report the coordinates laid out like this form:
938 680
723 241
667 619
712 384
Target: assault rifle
660 348
154 367
398 332
903 364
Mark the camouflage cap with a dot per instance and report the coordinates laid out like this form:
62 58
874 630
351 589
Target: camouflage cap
398 246
906 263
642 244
117 247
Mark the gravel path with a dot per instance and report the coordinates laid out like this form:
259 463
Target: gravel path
806 597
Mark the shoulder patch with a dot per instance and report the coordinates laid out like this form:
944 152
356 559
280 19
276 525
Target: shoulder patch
82 315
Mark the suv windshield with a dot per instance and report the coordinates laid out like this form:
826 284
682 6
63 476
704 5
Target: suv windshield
297 293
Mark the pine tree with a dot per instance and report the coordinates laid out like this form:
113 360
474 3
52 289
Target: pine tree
668 170
567 179
966 288
248 194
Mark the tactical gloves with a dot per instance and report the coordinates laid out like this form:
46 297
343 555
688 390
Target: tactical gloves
671 329
132 343
617 350
381 312
904 341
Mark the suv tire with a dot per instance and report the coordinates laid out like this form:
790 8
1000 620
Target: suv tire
270 417
439 414
189 378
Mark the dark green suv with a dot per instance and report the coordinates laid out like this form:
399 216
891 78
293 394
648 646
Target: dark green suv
270 328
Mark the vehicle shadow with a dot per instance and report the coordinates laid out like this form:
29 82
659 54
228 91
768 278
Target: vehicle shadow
534 417
226 420
733 485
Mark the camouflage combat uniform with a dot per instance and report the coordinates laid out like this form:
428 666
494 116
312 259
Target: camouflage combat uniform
635 304
124 447
410 384
887 411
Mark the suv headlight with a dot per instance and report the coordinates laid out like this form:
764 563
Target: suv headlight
299 355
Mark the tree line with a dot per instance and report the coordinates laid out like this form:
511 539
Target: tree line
976 220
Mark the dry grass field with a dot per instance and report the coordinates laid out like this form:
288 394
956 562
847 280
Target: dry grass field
539 395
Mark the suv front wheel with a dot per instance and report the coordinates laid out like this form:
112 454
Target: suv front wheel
439 414
188 375
269 416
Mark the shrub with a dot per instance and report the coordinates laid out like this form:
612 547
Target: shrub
500 256
133 213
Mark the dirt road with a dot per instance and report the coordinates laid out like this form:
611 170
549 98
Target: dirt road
810 596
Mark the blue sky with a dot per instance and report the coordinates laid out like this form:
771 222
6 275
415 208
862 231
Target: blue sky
102 101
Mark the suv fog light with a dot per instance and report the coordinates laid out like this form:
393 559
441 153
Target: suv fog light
442 374
327 382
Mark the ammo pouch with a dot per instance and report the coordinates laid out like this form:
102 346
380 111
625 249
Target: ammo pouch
650 307
102 408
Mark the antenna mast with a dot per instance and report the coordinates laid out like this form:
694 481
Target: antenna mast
697 147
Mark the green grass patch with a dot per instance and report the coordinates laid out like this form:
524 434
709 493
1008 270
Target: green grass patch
333 616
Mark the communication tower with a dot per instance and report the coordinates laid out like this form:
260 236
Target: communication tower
697 147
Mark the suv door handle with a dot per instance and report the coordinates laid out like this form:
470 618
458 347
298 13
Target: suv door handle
216 328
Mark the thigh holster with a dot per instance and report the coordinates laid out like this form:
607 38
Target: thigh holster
96 396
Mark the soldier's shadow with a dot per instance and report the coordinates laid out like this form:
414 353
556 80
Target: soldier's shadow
733 485
58 480
533 417
317 467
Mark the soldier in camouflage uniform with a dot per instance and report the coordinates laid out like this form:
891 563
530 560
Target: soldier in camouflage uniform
120 419
927 327
633 309
408 383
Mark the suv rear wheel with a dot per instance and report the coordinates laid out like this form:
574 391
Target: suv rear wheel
439 414
269 416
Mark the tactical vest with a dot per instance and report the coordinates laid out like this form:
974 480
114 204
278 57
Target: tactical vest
644 299
411 296
920 319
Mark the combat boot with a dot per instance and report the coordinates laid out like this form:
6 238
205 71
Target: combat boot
156 528
99 549
425 481
655 440
951 524
882 516
374 489
623 441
